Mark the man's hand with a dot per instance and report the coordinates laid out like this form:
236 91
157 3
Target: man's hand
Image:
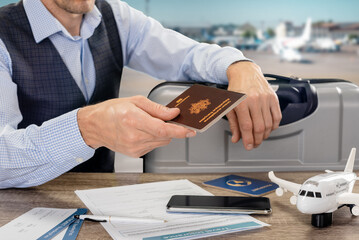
132 126
259 114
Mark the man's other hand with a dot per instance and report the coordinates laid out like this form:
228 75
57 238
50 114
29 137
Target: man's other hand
133 126
259 114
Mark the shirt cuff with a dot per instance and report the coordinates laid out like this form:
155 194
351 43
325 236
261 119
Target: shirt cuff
63 140
232 55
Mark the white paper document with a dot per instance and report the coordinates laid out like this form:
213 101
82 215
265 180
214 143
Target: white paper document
35 223
149 200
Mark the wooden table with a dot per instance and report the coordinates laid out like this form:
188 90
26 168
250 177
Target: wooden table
286 221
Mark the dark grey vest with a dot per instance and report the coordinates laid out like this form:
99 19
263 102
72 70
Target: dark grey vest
46 88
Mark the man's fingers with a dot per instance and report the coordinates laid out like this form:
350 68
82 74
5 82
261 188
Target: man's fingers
160 129
276 113
152 145
154 115
143 148
245 124
171 130
144 133
233 125
267 117
154 109
258 124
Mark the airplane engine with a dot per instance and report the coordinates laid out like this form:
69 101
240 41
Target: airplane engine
293 200
355 210
279 191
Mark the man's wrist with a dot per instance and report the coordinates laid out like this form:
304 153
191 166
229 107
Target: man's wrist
235 67
237 70
87 125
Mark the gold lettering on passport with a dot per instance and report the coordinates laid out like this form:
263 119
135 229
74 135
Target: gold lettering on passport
181 100
199 106
215 111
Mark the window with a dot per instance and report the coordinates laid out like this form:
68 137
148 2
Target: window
310 194
302 192
318 195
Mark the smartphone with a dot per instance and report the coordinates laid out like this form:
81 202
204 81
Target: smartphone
219 204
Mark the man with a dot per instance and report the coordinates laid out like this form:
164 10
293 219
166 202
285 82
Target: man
60 68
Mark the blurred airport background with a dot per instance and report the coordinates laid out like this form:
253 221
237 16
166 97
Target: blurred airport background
272 33
305 39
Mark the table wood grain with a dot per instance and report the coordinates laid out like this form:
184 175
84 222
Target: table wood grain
286 221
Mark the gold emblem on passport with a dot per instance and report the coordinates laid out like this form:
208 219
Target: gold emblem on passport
239 183
199 106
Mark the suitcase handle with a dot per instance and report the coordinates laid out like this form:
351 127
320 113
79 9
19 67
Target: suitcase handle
297 98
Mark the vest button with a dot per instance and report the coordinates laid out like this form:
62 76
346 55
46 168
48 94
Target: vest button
79 160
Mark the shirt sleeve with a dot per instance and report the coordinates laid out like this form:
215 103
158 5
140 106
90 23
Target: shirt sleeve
165 54
36 154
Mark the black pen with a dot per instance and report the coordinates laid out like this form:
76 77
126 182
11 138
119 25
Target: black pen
112 219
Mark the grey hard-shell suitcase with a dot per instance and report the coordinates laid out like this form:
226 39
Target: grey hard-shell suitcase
317 131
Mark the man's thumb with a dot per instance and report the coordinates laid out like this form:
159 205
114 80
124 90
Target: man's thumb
157 110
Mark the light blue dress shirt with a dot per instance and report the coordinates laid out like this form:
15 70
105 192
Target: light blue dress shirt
37 154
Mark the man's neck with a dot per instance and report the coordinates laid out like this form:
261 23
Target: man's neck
71 21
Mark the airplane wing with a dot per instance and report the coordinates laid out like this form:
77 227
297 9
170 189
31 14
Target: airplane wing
290 186
348 198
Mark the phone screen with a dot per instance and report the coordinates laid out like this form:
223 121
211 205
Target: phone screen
219 204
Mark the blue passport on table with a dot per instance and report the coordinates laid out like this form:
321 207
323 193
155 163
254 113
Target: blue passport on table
245 185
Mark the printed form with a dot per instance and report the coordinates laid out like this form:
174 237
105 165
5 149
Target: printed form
33 224
149 200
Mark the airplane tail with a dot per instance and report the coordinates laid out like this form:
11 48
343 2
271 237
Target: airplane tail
350 164
307 30
281 31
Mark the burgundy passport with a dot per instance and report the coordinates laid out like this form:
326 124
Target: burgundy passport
201 106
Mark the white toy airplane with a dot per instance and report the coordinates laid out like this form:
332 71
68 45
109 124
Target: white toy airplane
321 195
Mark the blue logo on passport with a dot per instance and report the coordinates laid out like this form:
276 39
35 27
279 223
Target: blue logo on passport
239 183
249 186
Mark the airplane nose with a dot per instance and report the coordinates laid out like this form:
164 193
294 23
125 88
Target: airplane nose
303 205
312 206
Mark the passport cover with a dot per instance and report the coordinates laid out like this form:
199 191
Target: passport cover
239 184
201 106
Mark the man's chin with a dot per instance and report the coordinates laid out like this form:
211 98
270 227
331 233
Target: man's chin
76 6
